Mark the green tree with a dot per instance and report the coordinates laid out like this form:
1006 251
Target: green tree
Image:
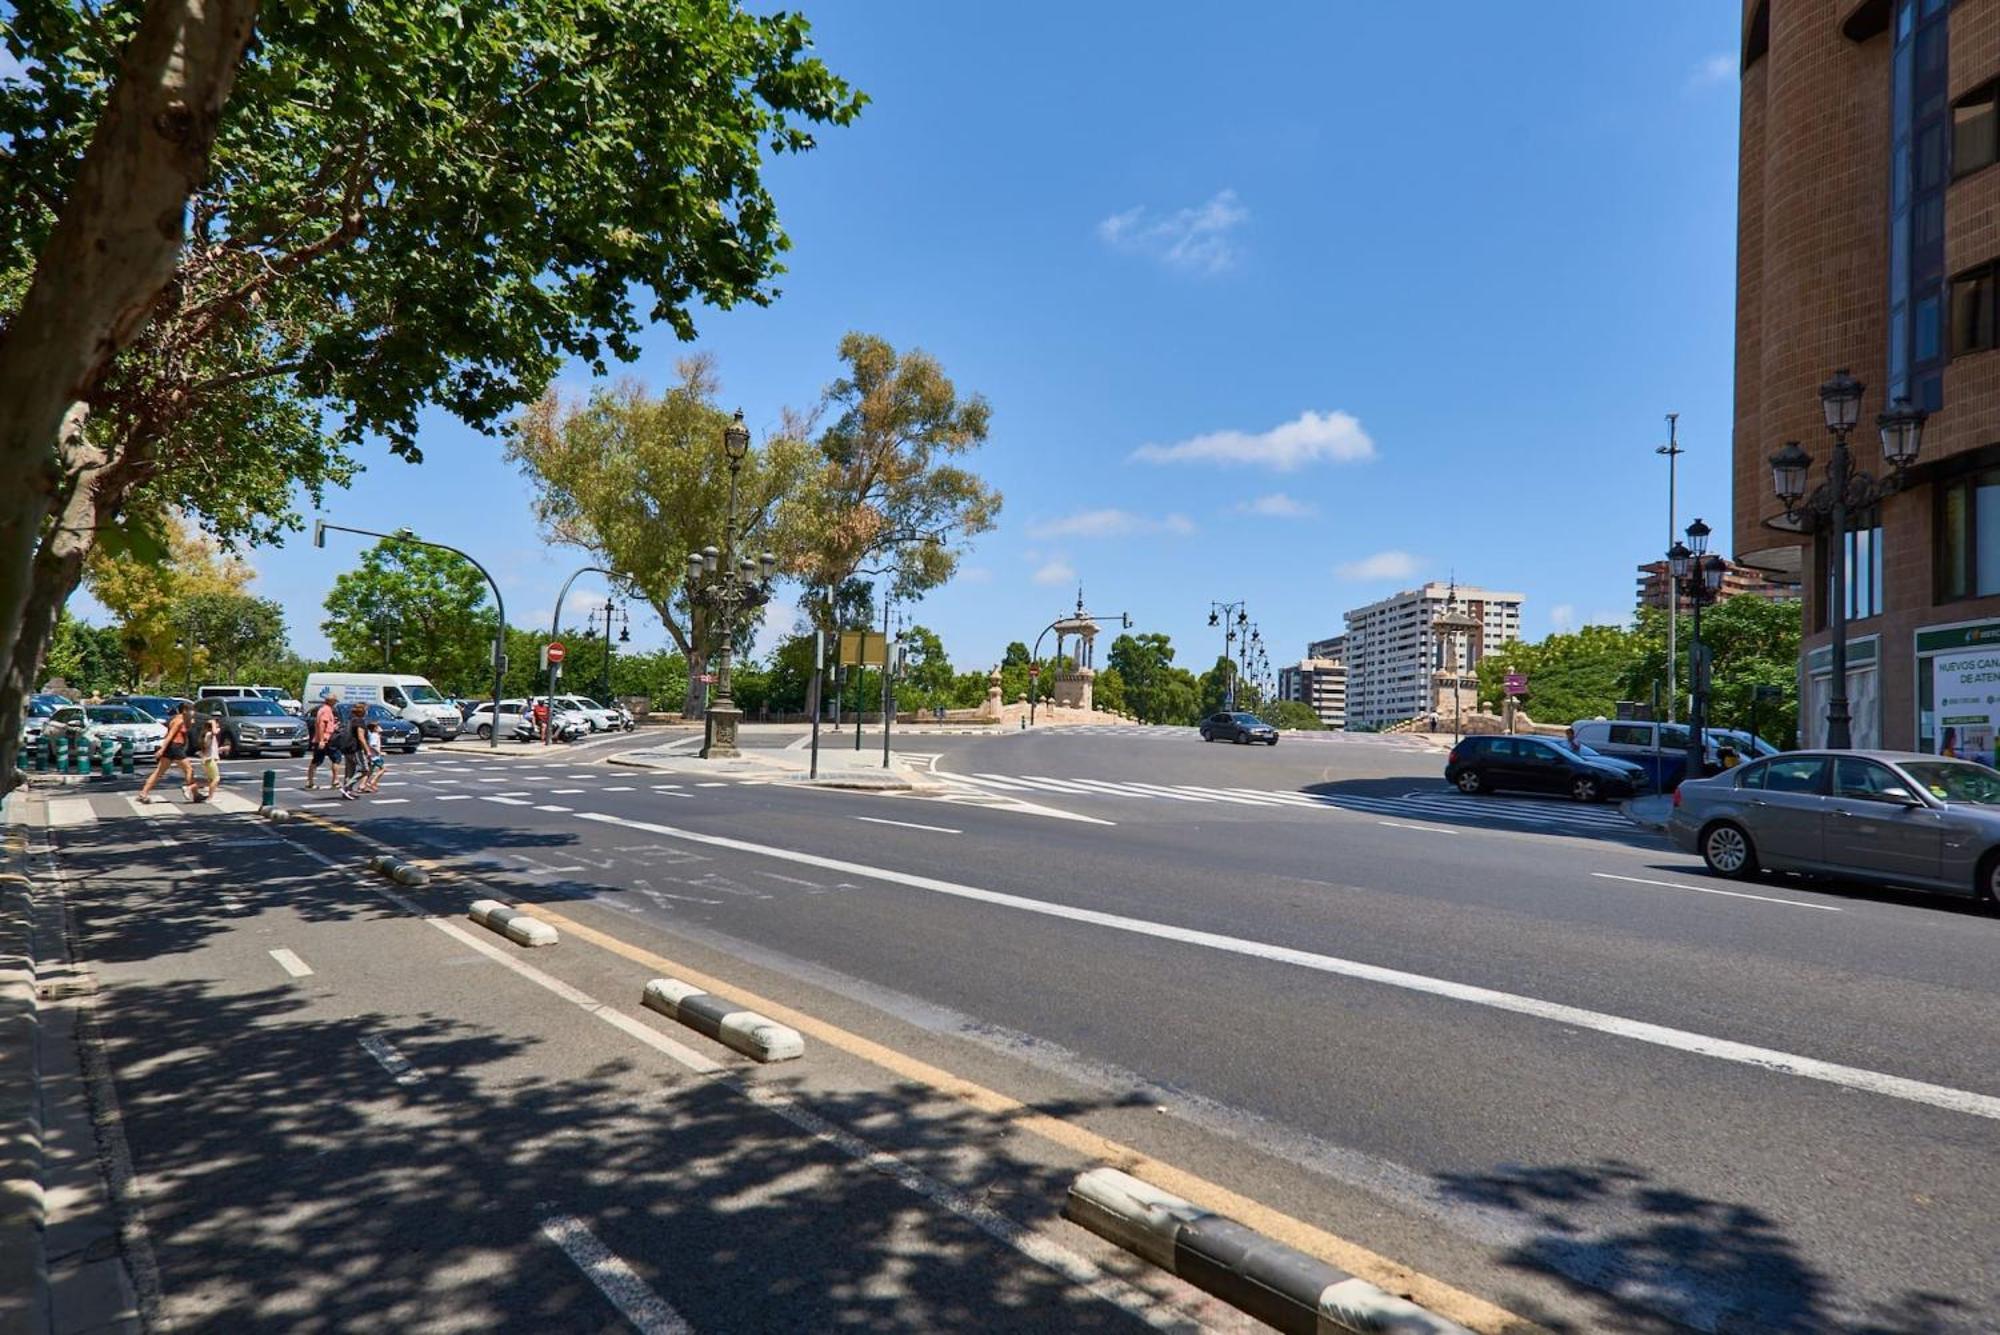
90 659
1755 642
1290 716
1574 675
639 482
1108 692
927 678
434 605
237 628
1155 690
399 213
885 476
1215 686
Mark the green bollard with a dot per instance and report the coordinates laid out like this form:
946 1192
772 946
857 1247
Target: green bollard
270 789
65 752
125 745
41 756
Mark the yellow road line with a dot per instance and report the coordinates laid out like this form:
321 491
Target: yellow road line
1468 1310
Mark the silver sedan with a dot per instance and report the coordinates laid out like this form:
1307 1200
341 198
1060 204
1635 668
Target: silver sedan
1893 817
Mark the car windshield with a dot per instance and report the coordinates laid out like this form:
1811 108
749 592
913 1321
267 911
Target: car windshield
116 714
40 709
255 707
422 694
1249 720
270 693
1956 781
381 713
585 702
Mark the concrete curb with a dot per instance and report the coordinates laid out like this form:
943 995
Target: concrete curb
24 1275
516 926
399 871
746 1031
1278 1285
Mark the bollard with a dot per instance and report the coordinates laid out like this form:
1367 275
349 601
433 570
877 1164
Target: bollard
66 758
126 748
41 756
270 789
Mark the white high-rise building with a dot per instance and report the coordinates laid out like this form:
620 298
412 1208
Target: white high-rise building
1393 657
1320 684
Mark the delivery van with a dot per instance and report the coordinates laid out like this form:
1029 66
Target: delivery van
411 697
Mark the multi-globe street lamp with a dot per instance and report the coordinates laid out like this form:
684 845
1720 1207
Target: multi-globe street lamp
1698 578
735 584
1234 618
1826 508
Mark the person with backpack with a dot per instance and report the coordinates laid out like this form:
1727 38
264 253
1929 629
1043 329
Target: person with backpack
319 734
352 742
173 751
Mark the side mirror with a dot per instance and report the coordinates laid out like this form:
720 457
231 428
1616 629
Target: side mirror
1903 796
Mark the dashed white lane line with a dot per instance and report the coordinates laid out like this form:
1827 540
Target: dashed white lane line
389 801
1969 1102
910 825
394 1062
455 797
1717 890
291 963
615 790
549 806
565 792
518 792
1405 825
713 783
633 1297
506 801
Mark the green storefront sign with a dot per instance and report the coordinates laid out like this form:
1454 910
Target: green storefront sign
1958 691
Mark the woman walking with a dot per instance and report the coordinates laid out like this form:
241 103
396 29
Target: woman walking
353 738
173 751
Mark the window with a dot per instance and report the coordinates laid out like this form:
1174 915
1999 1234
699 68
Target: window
1865 779
1974 294
1630 734
1751 776
1862 556
1974 120
1967 562
1807 774
1925 137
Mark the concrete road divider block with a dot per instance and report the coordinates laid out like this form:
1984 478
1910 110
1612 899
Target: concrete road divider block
409 873
276 815
749 1033
1279 1285
516 926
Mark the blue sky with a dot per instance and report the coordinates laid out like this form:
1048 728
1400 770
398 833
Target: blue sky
1300 304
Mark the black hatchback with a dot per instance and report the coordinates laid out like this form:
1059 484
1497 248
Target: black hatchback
1540 764
1237 727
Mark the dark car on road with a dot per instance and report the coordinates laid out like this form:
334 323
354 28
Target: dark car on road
1540 765
398 733
252 725
1890 817
1237 727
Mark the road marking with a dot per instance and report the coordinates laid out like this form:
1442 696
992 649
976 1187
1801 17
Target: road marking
1716 890
291 963
505 801
615 790
519 792
64 812
910 825
388 801
633 1297
564 792
1618 1026
454 797
713 783
156 809
547 806
1405 825
574 776
394 1062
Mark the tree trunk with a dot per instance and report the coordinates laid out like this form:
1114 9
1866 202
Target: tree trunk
114 247
696 705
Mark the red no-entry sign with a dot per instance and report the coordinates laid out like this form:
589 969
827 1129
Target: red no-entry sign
555 651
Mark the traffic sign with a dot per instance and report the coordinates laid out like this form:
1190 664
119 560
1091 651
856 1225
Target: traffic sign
1517 683
1034 670
555 651
706 679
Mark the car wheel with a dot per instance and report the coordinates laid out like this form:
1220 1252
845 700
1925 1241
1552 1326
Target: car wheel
1584 788
1271 742
1727 850
1205 737
1986 883
1471 781
410 750
485 732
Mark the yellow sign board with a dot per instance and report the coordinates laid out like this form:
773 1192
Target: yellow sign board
864 648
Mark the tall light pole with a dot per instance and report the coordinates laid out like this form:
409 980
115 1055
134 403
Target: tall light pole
1672 449
403 535
1234 618
736 585
1825 510
1697 577
555 629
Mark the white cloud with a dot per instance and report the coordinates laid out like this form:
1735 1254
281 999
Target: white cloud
1382 565
1278 505
1109 524
1562 618
1714 69
1057 571
1307 438
1194 240
775 628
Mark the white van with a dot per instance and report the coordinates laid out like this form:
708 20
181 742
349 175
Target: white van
411 697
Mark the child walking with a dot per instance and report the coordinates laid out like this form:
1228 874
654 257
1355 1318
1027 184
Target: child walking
378 757
208 732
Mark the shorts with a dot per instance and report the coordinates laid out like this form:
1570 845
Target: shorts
376 764
212 771
322 755
177 751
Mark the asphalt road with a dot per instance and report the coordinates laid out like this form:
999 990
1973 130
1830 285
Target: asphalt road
1513 1044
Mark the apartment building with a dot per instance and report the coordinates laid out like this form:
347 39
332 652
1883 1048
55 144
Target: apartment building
1320 684
1394 657
1740 579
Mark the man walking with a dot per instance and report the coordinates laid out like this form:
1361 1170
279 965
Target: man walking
319 734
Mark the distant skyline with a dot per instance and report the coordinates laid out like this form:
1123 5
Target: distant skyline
1304 308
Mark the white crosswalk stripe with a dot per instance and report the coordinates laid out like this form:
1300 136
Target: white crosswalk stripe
1434 805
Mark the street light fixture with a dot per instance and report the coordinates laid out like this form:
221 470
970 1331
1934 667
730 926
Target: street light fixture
1234 617
1825 509
732 591
1700 577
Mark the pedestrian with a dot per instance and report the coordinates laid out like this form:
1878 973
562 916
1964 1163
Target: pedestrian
320 729
542 720
352 740
207 745
173 751
377 757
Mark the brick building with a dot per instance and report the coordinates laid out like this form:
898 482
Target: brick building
1868 238
1741 579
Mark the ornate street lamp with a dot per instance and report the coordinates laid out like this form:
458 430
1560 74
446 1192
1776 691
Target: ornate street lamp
1824 510
737 584
1700 578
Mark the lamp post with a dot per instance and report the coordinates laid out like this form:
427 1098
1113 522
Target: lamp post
1826 508
736 584
555 630
320 527
611 609
1697 577
1234 618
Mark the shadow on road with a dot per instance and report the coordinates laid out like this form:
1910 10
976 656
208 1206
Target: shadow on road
1431 801
1709 1265
291 1184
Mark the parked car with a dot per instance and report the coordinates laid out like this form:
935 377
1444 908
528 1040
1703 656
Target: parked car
1540 764
412 697
277 695
398 733
1747 745
1237 727
597 716
252 725
40 709
1891 817
566 722
515 723
118 723
161 707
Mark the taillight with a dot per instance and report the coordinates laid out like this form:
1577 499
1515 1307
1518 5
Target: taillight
1677 797
1452 759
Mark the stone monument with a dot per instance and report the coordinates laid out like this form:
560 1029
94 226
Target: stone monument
1072 688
